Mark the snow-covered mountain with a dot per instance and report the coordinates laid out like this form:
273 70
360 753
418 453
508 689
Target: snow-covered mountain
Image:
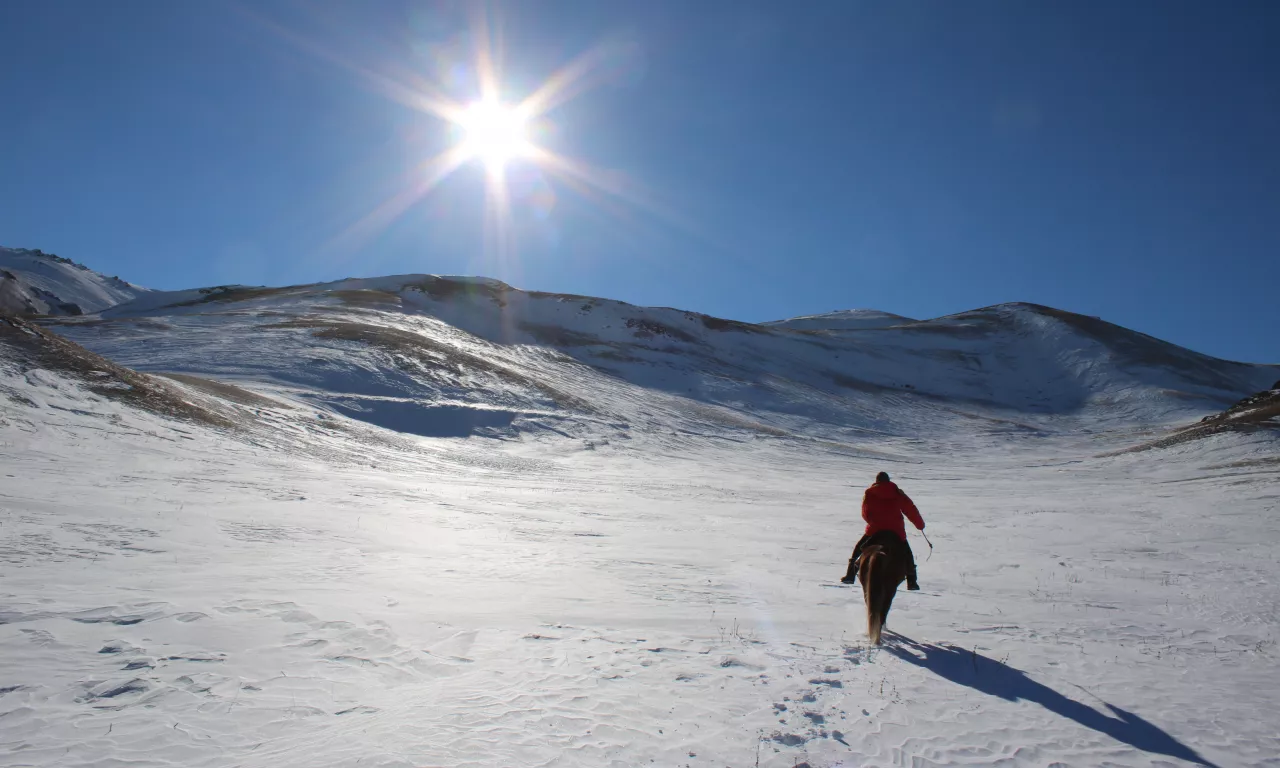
450 356
424 520
36 283
432 355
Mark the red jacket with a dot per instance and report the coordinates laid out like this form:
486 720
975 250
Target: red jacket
883 506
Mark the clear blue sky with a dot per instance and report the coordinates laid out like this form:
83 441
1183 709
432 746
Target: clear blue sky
1113 158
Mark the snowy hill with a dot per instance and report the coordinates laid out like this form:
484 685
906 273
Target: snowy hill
447 356
423 520
36 283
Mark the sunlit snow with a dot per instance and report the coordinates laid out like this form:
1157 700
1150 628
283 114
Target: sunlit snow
420 521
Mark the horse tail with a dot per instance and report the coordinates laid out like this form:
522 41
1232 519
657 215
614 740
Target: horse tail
872 577
875 623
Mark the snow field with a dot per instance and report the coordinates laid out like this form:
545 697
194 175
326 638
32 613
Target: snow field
182 599
448 523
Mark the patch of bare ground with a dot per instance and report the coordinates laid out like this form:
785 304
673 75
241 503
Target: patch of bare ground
430 354
730 419
1266 462
1007 423
564 297
648 329
140 323
561 337
858 385
232 293
616 356
720 324
369 298
1255 412
443 288
31 347
225 391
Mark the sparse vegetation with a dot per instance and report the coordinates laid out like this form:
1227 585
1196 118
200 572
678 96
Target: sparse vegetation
442 288
232 293
368 298
30 346
720 324
225 391
560 337
647 329
860 385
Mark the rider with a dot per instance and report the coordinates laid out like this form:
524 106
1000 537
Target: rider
883 506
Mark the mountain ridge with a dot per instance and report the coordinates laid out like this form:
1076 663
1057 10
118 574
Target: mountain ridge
856 318
452 356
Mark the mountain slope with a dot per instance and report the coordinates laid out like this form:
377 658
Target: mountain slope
36 283
446 356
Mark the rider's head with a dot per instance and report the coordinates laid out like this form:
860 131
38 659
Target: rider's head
883 477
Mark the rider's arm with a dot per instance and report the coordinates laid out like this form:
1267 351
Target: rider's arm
913 514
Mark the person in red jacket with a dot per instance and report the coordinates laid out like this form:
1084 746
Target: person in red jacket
883 507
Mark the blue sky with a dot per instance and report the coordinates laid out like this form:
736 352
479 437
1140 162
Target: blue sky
773 159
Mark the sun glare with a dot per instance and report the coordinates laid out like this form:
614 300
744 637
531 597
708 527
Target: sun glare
494 133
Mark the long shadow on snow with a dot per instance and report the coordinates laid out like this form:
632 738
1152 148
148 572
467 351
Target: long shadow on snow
981 673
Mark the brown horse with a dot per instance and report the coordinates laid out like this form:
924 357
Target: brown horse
881 568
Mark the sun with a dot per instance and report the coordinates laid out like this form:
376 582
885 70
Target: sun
494 133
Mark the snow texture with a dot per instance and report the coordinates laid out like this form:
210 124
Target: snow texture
420 521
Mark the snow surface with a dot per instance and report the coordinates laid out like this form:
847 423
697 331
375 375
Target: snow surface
33 281
631 558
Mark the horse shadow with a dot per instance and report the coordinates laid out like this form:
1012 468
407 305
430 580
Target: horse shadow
981 673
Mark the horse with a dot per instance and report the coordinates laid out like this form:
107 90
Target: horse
881 568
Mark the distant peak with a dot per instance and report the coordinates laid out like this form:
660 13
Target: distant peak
39 254
843 320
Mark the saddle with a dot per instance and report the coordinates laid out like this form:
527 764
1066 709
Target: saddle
886 539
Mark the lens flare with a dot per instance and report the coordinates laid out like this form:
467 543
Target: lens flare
494 133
